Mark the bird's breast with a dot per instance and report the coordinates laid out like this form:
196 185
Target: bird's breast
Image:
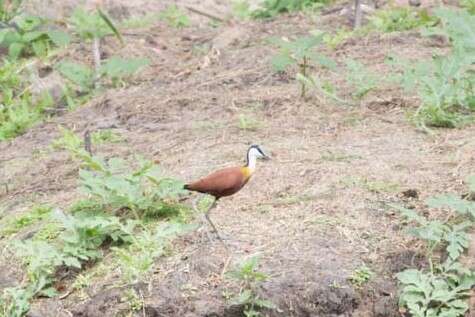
246 173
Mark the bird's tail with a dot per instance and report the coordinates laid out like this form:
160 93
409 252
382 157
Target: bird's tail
186 186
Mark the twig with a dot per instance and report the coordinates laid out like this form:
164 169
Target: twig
87 142
66 294
96 52
206 14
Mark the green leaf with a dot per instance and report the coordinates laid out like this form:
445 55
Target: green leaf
39 48
280 62
15 50
79 74
59 38
33 35
117 67
264 303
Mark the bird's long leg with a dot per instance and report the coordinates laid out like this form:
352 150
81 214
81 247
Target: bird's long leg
213 205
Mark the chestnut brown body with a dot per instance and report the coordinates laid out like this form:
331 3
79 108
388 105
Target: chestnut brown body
223 182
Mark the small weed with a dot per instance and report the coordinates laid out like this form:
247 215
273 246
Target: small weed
36 214
15 302
175 17
118 69
441 289
136 261
361 80
105 136
444 83
401 19
300 53
31 36
250 279
91 25
333 41
134 300
48 232
248 123
271 8
361 276
469 5
242 9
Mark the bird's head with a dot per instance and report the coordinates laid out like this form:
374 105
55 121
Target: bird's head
256 152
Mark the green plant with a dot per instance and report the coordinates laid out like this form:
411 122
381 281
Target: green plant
79 74
135 301
137 259
442 289
30 37
36 214
85 233
175 17
91 25
361 276
300 53
21 114
242 9
249 123
105 136
469 5
250 280
271 8
399 19
117 68
333 40
362 81
15 302
444 83
9 9
144 191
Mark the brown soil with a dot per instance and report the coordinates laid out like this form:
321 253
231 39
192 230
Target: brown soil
314 214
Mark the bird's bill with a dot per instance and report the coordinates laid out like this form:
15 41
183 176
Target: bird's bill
265 157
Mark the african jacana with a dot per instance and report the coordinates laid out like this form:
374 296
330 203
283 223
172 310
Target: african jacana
227 181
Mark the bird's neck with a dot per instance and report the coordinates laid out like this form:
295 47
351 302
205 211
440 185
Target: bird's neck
251 162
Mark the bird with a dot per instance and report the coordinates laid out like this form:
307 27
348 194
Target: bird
227 181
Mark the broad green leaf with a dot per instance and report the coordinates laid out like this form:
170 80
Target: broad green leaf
59 38
280 62
33 35
15 50
40 48
117 67
79 74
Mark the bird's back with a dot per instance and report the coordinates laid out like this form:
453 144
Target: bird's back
223 182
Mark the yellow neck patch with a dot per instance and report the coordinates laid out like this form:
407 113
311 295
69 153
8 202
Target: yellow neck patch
246 172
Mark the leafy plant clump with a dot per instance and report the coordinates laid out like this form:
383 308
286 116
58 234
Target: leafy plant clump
175 17
444 287
271 8
300 54
362 81
250 280
400 19
444 83
30 35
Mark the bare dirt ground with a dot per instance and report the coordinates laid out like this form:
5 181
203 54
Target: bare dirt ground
315 213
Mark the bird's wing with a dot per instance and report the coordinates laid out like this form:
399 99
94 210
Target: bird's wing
220 181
